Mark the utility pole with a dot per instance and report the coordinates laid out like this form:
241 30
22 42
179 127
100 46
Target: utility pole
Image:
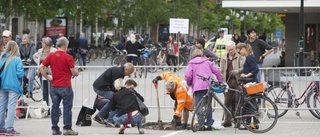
301 39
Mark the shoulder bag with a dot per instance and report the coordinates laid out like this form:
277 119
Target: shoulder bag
1 72
143 109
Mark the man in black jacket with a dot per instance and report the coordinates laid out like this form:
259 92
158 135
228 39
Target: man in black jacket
72 46
103 86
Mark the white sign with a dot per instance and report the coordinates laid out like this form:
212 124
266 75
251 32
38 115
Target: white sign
179 25
225 30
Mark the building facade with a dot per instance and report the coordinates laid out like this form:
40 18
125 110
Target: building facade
291 10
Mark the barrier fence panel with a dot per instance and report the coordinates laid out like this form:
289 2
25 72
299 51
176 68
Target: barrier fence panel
83 90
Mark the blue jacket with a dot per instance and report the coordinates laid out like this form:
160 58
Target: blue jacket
11 76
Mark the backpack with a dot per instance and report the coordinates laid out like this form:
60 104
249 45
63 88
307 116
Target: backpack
22 112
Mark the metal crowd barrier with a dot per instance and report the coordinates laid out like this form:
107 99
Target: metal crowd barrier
82 85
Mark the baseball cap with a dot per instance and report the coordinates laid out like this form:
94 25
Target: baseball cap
6 33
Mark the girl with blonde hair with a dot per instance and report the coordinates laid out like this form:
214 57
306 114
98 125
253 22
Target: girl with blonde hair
10 88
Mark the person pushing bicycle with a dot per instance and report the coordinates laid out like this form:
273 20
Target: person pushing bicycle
177 89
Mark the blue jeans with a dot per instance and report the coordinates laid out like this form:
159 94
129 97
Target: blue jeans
258 76
57 94
8 102
135 119
29 73
82 59
111 115
106 108
197 97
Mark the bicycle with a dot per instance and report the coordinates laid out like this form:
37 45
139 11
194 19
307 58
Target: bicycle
117 57
36 93
284 97
247 112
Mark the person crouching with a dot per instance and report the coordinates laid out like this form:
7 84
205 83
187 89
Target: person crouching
125 104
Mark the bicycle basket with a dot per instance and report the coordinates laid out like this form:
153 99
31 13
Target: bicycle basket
254 89
217 89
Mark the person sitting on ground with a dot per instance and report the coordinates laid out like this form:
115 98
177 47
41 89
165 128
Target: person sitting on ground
99 102
177 89
103 86
125 104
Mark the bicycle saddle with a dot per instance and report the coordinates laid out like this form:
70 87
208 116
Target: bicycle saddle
245 80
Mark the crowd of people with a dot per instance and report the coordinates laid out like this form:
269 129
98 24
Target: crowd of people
240 59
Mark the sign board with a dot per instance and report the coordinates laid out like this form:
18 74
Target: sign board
225 30
278 34
54 26
179 25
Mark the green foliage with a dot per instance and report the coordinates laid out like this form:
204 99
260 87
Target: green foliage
132 13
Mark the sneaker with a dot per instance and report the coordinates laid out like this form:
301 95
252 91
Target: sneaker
3 132
98 119
206 128
209 128
141 131
184 126
69 132
227 124
12 133
54 132
121 130
29 95
110 124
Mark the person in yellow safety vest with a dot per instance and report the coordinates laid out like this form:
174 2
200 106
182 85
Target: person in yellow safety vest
220 46
177 89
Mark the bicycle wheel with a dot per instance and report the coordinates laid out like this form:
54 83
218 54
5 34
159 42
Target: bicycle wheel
108 53
281 97
36 93
313 101
116 61
152 63
141 71
200 114
257 117
106 61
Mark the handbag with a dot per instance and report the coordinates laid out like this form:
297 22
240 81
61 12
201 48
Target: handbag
85 116
143 109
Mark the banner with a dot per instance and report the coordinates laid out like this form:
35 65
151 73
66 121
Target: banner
55 26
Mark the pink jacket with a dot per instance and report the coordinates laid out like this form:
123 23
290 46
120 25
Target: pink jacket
201 66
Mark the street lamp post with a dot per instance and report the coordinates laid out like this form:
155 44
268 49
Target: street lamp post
228 19
243 18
